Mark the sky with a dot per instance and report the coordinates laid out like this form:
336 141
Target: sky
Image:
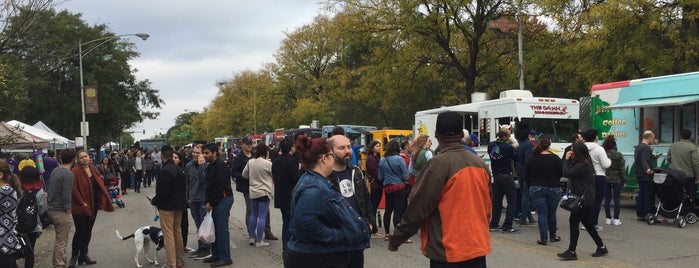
194 44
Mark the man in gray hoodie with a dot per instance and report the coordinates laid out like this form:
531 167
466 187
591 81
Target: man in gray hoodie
195 171
600 162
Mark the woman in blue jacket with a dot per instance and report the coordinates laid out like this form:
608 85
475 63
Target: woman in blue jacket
325 230
394 175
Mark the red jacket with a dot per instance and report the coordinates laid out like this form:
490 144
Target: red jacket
83 201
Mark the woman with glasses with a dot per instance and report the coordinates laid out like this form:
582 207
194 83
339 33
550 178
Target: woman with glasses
325 230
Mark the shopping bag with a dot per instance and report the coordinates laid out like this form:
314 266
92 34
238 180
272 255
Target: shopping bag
206 229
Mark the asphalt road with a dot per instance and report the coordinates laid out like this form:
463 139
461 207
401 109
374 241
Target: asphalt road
633 244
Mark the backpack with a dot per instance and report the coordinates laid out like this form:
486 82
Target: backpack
27 213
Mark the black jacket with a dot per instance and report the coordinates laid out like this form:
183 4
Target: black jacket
218 182
241 183
285 172
581 180
170 189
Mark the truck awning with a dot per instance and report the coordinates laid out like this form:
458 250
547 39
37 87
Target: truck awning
655 102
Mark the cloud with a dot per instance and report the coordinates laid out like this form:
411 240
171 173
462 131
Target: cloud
194 44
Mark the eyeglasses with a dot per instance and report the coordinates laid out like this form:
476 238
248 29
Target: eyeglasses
330 154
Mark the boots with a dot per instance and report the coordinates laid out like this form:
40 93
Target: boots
73 260
84 259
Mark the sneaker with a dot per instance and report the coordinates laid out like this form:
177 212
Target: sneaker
617 222
555 238
582 227
260 244
188 250
608 221
598 228
202 255
568 255
251 241
600 252
495 228
210 259
377 236
510 231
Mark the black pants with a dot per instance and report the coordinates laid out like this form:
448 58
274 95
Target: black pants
376 193
395 204
585 216
138 177
29 260
125 181
9 261
472 263
185 227
344 259
83 233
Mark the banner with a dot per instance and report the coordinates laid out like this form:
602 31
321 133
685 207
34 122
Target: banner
91 104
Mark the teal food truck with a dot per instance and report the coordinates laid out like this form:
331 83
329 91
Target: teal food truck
664 105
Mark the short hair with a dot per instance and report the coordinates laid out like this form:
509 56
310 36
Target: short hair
212 147
685 134
285 145
574 137
503 133
648 134
261 150
590 135
338 130
67 156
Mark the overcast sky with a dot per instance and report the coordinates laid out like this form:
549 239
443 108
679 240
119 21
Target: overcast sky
194 44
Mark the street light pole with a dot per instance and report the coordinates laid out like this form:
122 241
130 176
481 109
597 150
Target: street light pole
84 126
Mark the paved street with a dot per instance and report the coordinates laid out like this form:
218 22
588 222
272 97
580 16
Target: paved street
633 244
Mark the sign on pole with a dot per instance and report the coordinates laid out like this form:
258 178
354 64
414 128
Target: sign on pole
503 25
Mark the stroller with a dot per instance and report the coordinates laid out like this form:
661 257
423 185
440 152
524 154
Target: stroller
114 191
674 202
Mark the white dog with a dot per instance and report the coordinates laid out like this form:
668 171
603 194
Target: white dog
142 238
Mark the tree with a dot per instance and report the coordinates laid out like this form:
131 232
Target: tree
48 59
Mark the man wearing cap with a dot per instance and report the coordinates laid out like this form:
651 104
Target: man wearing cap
243 185
170 199
456 184
502 156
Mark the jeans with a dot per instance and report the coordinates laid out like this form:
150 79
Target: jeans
395 204
583 215
600 185
286 219
546 201
609 190
62 222
248 211
221 249
198 212
503 185
348 259
260 208
691 188
526 204
170 222
646 199
478 262
376 194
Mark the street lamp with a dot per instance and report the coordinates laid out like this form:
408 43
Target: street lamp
84 127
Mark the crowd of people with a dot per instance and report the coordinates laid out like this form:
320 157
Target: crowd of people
329 205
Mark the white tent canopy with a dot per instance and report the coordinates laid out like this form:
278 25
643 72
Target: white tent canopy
58 141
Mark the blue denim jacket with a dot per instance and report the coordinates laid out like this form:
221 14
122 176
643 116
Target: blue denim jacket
322 220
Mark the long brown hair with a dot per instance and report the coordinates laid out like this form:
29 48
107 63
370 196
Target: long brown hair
543 145
9 178
419 145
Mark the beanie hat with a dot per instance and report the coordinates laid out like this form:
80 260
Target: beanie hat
449 124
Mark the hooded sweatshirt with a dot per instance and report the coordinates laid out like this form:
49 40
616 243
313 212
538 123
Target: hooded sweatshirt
600 161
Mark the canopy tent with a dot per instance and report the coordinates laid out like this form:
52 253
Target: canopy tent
58 141
24 139
40 125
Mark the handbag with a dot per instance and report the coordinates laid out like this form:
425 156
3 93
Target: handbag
572 202
26 248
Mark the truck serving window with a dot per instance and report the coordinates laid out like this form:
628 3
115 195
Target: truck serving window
559 130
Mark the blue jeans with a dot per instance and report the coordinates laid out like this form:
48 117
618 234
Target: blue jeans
609 190
600 185
221 249
526 208
198 212
504 185
546 201
260 207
